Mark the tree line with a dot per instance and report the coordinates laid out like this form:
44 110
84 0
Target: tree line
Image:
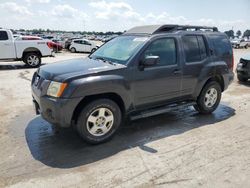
231 33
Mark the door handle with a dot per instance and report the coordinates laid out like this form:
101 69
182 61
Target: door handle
177 71
6 44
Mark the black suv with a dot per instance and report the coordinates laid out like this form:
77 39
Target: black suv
243 69
146 71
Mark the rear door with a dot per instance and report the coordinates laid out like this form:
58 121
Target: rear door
195 53
7 48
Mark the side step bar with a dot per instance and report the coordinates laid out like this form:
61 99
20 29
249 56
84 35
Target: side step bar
161 110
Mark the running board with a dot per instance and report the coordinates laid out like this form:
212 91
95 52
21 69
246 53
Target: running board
161 110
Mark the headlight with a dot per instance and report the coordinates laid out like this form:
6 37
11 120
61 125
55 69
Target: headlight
56 89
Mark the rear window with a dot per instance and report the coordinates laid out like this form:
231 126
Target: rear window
194 48
222 45
3 35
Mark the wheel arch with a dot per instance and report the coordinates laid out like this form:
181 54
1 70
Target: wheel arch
31 50
88 99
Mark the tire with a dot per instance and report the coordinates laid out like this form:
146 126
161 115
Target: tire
102 129
32 59
93 50
241 79
73 50
207 102
246 46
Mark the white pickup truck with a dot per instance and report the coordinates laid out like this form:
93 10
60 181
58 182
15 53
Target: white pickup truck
29 51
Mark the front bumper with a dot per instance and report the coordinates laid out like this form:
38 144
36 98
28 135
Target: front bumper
57 111
243 71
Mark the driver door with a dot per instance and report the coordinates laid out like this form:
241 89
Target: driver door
161 82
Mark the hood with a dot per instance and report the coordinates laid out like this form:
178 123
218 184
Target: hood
75 68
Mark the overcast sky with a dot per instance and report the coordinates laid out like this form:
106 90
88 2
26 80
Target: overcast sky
120 15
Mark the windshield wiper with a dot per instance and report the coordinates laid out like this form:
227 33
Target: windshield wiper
105 60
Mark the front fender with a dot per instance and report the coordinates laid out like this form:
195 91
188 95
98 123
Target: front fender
95 85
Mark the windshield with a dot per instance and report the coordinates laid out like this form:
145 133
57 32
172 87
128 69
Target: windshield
120 49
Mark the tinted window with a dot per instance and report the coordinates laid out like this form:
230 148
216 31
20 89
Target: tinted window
195 49
222 45
77 41
3 35
202 46
86 42
165 49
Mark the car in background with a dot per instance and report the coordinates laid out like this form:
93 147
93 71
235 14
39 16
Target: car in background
68 42
106 39
82 45
56 46
29 51
243 69
240 43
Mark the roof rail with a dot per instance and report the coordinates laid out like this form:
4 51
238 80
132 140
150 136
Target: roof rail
154 29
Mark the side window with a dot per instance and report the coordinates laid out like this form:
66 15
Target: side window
86 42
77 42
3 35
203 50
222 45
165 49
194 48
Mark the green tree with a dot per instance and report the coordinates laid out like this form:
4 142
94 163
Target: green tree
246 33
238 33
230 33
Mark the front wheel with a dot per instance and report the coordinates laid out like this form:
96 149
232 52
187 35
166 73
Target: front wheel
209 98
73 50
32 59
98 121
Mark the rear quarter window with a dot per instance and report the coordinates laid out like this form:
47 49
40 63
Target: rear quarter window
3 35
222 45
194 48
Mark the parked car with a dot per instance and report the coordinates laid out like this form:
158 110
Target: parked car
68 42
82 45
243 69
147 71
240 43
56 46
29 51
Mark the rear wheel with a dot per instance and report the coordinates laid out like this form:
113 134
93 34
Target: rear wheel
32 59
98 121
209 98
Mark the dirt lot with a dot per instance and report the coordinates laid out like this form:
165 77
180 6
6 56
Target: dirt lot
178 149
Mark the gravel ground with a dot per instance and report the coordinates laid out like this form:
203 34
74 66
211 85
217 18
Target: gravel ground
178 149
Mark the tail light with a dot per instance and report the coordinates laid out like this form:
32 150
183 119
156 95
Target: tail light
50 45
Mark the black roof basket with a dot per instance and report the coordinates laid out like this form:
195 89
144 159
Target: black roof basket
154 29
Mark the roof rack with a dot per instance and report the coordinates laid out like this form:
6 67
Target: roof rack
154 29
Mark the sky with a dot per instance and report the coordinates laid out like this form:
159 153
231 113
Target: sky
120 15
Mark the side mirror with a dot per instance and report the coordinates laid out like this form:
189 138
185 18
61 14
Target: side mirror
150 61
